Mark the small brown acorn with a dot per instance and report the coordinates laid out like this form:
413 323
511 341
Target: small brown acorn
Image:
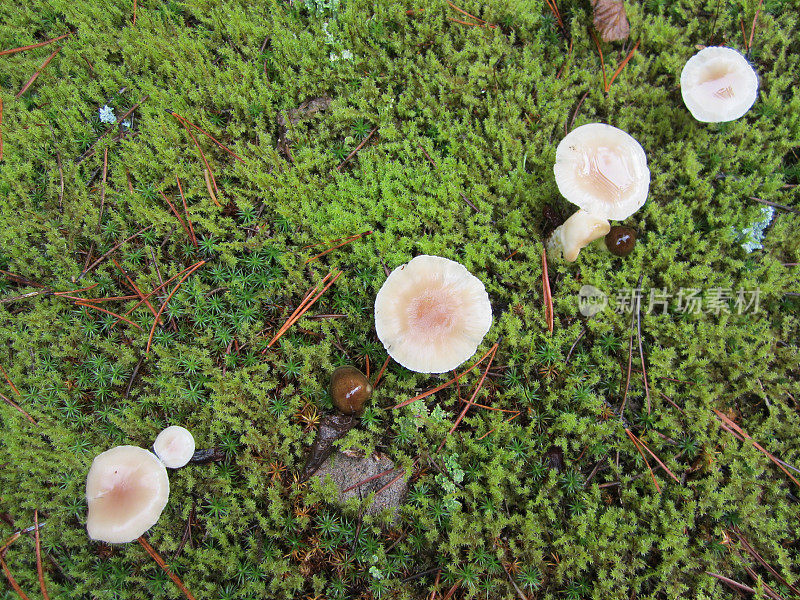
350 389
620 240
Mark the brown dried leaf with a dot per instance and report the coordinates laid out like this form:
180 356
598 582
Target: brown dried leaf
610 20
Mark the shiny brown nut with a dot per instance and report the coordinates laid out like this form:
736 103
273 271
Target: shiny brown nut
350 389
621 240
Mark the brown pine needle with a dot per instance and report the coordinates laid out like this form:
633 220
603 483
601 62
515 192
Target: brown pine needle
658 460
103 189
744 35
36 74
722 417
16 406
186 212
636 443
159 288
361 145
134 12
39 569
108 312
210 173
463 12
163 565
113 248
753 28
493 428
750 550
164 304
380 373
11 579
347 241
439 388
733 584
368 479
304 306
602 60
1 129
210 188
548 296
139 293
551 4
10 383
175 212
32 46
213 139
622 65
478 387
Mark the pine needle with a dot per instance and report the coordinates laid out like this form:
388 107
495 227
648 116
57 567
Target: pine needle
186 212
636 443
380 373
185 121
164 305
621 66
16 406
10 383
11 579
177 215
36 74
39 569
108 312
32 46
347 241
163 565
1 129
361 145
548 295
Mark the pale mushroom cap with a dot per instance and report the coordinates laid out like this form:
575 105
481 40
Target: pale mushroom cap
577 232
126 489
174 446
432 314
718 84
602 170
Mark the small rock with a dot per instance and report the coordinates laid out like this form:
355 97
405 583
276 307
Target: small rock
347 469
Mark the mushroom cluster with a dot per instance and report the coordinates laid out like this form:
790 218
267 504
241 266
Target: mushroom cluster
127 487
603 171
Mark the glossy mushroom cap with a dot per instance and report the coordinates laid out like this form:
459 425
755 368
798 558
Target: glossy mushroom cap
577 232
350 389
432 314
621 240
126 489
718 84
602 170
174 446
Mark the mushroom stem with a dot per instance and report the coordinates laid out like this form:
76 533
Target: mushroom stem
577 232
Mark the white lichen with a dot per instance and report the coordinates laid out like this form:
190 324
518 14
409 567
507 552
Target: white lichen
107 114
752 237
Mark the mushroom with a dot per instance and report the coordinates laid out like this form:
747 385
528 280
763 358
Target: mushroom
718 85
350 389
621 240
431 314
126 489
174 446
577 232
603 171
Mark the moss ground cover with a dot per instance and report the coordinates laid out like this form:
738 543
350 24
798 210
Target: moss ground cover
460 165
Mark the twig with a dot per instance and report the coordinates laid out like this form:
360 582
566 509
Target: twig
428 156
347 241
775 204
733 584
575 343
548 296
39 569
163 565
1 129
32 46
475 208
36 74
164 304
361 145
102 258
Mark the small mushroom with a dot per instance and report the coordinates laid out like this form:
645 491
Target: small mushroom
718 85
126 489
577 232
603 171
350 389
620 240
431 314
174 446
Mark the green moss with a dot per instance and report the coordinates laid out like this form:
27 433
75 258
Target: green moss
461 166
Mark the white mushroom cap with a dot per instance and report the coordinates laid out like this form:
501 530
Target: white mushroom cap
718 84
174 446
602 170
577 232
127 488
432 314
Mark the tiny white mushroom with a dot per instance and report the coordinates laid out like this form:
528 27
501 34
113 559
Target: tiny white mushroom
174 446
431 314
577 232
718 85
126 489
603 171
